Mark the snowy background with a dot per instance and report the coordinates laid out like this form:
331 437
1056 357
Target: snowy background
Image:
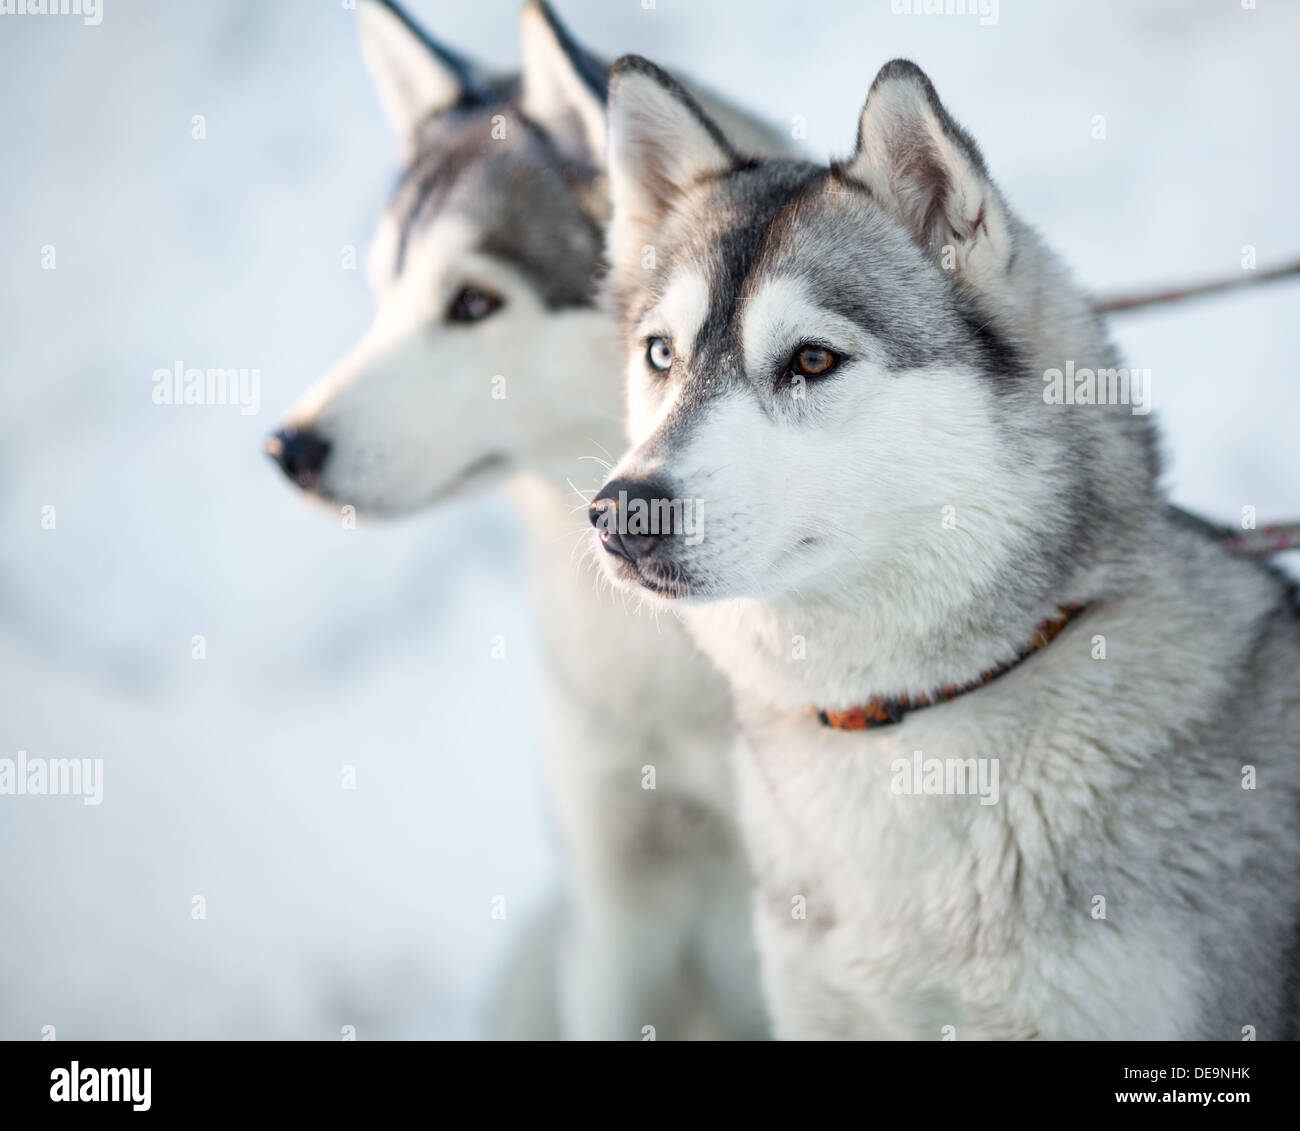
371 647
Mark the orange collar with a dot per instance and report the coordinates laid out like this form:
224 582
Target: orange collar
882 711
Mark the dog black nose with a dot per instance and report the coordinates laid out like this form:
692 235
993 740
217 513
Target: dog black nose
632 515
300 452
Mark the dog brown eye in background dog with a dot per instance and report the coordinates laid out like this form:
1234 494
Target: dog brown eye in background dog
473 304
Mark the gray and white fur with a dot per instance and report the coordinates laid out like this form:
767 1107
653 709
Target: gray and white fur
503 199
901 519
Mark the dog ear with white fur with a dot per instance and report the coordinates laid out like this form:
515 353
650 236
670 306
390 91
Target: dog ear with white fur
415 75
660 143
923 166
564 85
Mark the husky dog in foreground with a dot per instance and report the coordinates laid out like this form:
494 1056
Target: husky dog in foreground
1022 746
489 360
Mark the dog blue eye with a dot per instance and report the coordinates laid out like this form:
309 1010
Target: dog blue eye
659 354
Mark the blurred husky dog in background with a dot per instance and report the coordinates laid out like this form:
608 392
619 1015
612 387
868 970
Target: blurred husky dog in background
912 557
488 360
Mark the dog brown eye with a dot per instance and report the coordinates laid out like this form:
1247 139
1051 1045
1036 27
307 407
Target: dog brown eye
472 305
814 361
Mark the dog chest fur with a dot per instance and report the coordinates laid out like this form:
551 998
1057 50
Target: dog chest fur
1099 897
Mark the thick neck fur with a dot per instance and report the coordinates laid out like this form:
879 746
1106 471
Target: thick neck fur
889 634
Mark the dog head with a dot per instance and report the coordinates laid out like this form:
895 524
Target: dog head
835 372
486 353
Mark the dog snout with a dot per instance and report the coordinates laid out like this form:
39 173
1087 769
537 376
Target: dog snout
633 516
300 452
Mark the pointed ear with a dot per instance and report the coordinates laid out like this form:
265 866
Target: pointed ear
564 87
414 75
660 142
927 169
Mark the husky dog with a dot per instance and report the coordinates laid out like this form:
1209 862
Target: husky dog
910 561
488 360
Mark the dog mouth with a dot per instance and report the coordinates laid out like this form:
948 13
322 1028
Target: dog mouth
671 581
666 580
473 475
485 467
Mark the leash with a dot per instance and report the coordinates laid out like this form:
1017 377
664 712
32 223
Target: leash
1267 540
